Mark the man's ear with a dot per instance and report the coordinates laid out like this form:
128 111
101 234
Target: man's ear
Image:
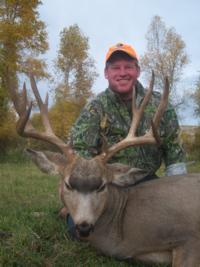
124 175
49 162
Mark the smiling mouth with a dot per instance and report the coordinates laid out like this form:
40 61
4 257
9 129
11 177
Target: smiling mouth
123 81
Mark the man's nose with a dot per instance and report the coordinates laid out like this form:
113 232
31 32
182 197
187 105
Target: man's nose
122 71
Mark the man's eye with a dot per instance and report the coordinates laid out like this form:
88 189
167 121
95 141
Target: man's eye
101 188
115 67
130 67
68 186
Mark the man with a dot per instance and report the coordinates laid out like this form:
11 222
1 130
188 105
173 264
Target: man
110 115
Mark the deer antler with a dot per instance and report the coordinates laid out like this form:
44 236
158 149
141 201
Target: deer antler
150 137
25 128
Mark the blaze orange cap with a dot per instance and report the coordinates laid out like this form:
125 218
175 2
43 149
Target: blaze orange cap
124 48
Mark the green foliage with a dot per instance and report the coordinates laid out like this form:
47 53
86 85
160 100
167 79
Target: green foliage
197 144
3 102
8 136
191 143
74 65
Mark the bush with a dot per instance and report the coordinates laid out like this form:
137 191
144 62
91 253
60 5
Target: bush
191 143
197 144
8 135
14 155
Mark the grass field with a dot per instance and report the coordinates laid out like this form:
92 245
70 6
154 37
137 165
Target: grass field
31 233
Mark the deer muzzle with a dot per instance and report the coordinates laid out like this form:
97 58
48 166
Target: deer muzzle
84 229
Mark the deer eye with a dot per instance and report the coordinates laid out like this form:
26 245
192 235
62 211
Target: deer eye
101 188
68 186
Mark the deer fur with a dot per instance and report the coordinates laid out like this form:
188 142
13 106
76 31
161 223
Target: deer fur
155 222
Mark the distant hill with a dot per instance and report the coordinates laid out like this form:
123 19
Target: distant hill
189 128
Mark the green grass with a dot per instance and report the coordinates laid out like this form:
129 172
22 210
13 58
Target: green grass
31 233
194 166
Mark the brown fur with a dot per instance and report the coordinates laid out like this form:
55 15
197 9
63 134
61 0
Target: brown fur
156 221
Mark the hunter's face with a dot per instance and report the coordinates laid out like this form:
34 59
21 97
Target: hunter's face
122 75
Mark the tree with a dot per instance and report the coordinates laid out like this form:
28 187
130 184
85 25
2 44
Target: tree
22 40
196 97
74 65
8 135
22 36
165 55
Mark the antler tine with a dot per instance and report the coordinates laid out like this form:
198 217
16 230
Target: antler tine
24 111
46 100
43 107
159 112
150 137
23 121
163 104
25 128
24 99
138 112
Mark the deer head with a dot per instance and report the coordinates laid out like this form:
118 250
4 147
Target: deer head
85 181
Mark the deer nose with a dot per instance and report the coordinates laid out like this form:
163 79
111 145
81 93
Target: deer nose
84 229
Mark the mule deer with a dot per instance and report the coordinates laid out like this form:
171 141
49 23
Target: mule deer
157 221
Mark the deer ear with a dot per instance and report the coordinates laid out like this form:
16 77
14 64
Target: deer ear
48 162
124 175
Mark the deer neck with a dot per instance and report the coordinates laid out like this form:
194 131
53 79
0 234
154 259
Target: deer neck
112 217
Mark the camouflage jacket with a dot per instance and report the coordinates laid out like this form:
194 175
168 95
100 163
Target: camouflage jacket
107 114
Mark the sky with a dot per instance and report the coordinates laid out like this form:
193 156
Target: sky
107 22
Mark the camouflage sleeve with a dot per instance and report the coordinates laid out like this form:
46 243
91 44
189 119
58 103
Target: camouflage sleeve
172 149
85 134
